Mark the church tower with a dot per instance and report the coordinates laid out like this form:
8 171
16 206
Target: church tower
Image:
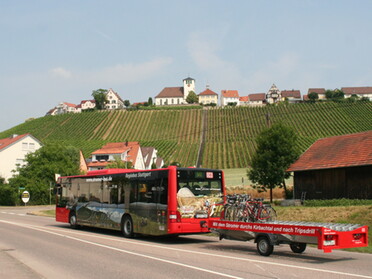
188 85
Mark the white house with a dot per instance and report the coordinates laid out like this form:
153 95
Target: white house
150 157
273 95
87 104
359 91
13 151
113 100
229 97
175 95
65 107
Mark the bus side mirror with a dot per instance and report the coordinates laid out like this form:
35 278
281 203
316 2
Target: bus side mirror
57 189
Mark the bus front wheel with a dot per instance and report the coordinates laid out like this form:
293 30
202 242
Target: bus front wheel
73 220
127 226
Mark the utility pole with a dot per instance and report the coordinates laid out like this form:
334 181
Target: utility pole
268 120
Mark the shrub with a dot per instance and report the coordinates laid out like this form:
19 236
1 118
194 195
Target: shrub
8 195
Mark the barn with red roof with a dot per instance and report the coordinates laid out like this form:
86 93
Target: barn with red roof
335 167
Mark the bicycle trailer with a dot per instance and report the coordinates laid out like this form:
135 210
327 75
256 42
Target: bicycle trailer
326 236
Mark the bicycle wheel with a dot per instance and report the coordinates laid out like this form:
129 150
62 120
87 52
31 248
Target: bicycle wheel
228 213
268 214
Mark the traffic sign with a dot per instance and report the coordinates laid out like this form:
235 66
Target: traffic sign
25 196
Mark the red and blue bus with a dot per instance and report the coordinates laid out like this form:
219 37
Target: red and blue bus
152 202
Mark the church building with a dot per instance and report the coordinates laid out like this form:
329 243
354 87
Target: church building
175 95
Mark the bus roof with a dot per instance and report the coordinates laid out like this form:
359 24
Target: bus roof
118 171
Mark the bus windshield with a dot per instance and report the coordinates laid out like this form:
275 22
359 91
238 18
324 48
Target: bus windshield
196 191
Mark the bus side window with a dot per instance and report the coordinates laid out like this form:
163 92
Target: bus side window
113 194
95 192
120 193
162 191
133 191
83 192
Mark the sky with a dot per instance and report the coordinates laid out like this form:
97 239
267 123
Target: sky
60 51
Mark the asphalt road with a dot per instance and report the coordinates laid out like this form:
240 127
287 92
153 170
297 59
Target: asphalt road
38 247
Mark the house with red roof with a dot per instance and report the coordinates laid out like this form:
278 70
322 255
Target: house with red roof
208 97
175 95
358 91
244 101
335 167
292 96
13 151
229 97
319 91
87 104
125 151
254 99
66 107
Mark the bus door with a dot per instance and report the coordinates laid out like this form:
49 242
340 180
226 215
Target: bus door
151 206
62 211
88 203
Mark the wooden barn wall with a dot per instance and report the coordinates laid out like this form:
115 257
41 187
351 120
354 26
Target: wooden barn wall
351 183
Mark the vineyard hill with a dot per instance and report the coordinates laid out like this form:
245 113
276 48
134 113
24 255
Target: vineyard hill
225 136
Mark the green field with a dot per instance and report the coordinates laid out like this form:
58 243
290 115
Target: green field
229 133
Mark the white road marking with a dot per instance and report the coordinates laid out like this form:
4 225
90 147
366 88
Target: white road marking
124 251
266 262
13 213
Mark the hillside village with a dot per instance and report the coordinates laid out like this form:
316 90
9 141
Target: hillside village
175 96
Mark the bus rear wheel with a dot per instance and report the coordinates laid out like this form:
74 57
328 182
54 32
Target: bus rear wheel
127 226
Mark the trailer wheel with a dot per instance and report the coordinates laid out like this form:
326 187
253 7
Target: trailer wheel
127 226
298 247
264 247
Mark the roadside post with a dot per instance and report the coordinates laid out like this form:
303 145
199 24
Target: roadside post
25 197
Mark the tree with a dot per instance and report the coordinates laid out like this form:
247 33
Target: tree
119 164
126 103
334 95
99 96
338 94
192 98
364 99
276 150
313 96
329 94
353 98
150 102
41 166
